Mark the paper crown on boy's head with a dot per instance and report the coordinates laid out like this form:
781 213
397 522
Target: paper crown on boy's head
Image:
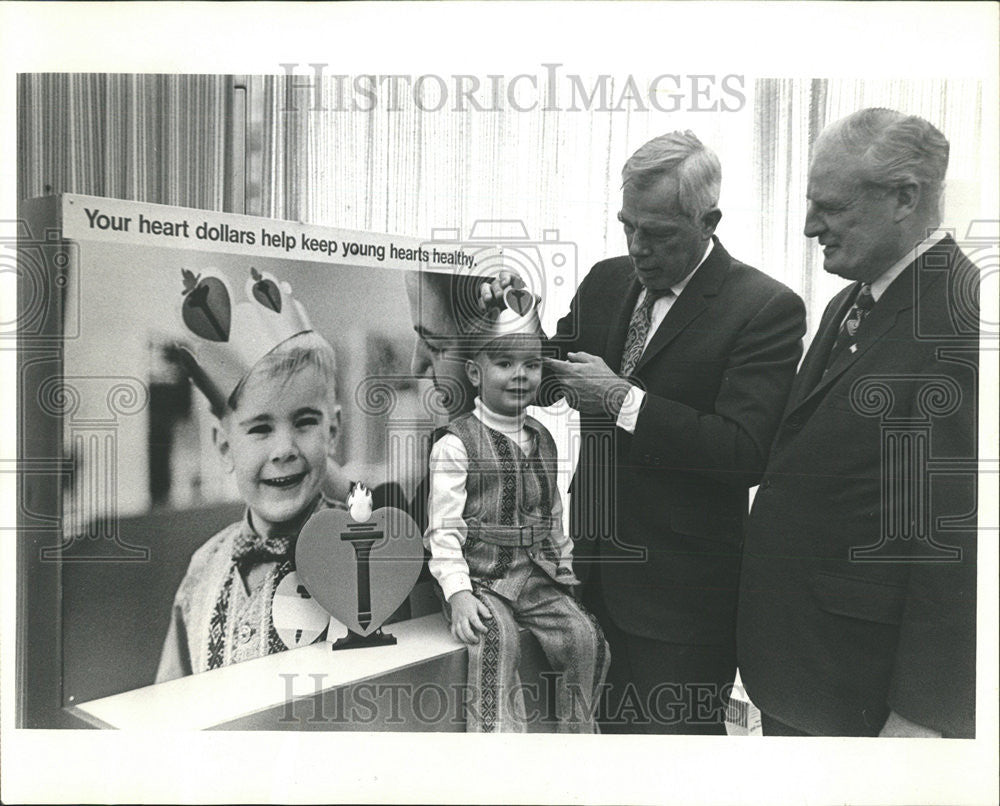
515 313
225 338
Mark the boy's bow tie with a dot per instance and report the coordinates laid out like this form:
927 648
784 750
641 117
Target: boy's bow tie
250 549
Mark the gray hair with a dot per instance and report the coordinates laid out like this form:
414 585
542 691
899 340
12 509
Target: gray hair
682 154
896 149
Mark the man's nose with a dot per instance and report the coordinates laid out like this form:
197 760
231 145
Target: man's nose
637 246
420 363
814 226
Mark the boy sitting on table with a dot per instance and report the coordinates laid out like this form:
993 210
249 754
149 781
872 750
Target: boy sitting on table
497 545
272 388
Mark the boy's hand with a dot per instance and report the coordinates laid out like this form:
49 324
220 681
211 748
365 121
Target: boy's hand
467 614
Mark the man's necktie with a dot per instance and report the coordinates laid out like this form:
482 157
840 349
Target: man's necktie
638 329
849 327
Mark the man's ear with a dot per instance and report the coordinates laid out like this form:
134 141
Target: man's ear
220 439
472 372
907 200
709 221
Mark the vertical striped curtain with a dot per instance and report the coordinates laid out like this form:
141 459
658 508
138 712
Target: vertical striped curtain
154 138
176 139
401 169
788 116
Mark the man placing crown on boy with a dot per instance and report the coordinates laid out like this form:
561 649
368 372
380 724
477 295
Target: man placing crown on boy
679 359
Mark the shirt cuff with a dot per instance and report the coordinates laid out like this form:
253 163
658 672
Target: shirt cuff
629 412
453 583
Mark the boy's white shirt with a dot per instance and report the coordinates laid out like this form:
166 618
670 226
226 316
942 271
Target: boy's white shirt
446 529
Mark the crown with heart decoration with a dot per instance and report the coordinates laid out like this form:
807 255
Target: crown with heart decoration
515 313
225 338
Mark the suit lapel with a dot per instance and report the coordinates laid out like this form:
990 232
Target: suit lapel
815 362
898 297
690 304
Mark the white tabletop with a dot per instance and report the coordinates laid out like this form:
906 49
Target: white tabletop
213 698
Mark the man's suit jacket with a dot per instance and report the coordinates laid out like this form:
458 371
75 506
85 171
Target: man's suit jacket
662 510
858 588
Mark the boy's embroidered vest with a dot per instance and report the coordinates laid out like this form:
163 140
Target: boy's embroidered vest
508 506
222 623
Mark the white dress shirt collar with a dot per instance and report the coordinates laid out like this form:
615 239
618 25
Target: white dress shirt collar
678 287
884 280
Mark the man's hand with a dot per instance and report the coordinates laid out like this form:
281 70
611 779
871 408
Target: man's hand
467 614
492 292
899 727
590 385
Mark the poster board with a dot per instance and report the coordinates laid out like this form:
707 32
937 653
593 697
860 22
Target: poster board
121 479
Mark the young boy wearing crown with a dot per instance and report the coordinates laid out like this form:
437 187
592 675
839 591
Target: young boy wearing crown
498 549
270 381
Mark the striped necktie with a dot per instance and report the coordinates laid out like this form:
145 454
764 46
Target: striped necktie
847 334
638 329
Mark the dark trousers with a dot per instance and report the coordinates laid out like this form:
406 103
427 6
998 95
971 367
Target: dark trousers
661 687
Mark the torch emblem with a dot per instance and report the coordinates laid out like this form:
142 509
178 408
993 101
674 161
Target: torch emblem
362 535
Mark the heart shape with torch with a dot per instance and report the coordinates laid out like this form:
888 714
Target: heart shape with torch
358 564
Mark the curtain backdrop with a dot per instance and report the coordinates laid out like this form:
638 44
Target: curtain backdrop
414 172
178 139
156 138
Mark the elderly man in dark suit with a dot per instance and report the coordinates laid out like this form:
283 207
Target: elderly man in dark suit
857 608
679 359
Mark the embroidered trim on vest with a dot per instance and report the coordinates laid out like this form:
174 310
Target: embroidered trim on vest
508 476
217 626
274 642
508 498
541 472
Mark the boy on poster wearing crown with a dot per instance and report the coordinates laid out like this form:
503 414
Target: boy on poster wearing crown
269 379
498 549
